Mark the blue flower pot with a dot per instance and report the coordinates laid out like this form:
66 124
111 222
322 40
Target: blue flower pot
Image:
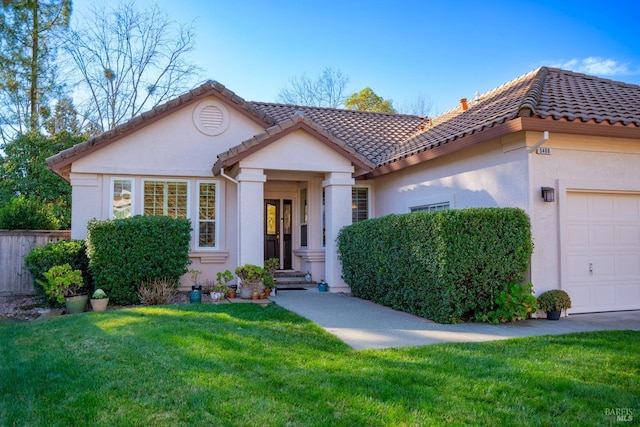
322 287
195 296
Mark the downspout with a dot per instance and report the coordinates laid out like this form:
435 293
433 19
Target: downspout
228 178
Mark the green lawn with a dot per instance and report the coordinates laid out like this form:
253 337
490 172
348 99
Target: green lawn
240 364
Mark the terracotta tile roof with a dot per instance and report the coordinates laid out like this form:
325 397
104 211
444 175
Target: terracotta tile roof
369 134
383 141
545 93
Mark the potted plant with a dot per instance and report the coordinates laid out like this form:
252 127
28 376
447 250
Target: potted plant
221 288
65 285
553 302
322 286
99 300
251 277
269 280
195 294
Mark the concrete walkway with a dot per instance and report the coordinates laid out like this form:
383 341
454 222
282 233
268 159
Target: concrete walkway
364 325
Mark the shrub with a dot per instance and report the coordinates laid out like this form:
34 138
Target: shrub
62 281
123 253
41 259
21 213
515 302
157 292
446 266
554 300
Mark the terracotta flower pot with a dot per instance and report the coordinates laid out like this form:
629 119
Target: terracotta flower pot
99 304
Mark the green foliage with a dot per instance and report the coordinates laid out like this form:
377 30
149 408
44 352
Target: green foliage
224 276
62 281
123 253
21 213
41 259
446 266
514 302
23 172
368 100
554 300
270 267
99 294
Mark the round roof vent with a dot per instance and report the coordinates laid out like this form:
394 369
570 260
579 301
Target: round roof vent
211 118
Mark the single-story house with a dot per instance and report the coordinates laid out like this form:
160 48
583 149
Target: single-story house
261 180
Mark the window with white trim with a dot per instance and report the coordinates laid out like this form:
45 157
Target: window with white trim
359 204
121 198
443 206
207 207
166 198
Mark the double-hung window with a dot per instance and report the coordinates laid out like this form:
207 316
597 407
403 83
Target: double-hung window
207 207
359 204
121 198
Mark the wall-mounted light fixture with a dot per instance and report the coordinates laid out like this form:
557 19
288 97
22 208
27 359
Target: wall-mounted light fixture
548 194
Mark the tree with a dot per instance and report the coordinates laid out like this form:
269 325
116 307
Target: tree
326 90
367 100
23 172
128 61
30 30
420 106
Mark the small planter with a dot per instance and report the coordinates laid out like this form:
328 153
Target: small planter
255 295
553 315
232 293
195 296
216 296
99 304
322 287
76 304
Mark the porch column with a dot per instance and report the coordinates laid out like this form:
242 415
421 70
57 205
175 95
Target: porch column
337 187
251 216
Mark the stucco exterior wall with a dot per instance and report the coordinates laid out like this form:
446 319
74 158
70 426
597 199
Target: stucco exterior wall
575 163
171 148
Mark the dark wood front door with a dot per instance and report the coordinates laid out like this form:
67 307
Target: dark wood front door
278 228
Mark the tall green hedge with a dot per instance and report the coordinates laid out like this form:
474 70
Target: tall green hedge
124 253
446 266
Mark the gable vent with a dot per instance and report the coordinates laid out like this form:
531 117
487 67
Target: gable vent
211 118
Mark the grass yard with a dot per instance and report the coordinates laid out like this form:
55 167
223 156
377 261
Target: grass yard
240 364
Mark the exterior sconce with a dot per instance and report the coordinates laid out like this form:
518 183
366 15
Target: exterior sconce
548 194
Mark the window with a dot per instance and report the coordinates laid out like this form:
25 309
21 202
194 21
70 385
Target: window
304 215
359 204
207 214
431 207
166 198
121 198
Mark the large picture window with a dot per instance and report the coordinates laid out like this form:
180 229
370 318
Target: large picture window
166 198
207 196
121 198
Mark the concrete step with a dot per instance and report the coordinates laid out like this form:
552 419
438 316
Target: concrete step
292 279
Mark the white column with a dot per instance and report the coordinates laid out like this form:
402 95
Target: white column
337 215
251 216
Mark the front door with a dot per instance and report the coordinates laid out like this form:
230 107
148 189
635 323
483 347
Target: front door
278 228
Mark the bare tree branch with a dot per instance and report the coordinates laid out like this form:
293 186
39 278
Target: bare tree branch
326 90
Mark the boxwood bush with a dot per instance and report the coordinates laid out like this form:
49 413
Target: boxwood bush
42 258
124 253
447 266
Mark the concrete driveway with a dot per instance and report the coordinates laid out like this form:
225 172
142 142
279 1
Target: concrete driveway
365 325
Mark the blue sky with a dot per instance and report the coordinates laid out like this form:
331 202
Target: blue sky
442 51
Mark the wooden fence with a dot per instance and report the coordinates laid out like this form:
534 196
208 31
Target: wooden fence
15 245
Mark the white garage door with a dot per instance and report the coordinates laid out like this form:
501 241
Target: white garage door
603 251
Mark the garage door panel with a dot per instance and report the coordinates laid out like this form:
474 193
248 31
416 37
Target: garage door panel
628 236
603 251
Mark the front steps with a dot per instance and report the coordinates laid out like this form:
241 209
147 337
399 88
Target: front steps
287 279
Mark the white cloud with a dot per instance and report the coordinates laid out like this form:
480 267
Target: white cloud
597 66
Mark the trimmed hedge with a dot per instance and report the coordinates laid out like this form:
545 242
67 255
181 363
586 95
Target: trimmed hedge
41 259
124 253
447 266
